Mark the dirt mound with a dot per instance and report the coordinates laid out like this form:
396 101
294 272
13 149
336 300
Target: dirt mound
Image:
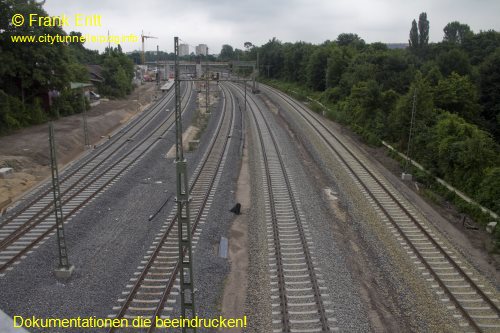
27 150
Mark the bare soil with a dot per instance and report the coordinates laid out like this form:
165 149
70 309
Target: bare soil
27 150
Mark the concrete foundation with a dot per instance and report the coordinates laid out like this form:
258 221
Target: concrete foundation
193 144
6 172
490 227
406 176
64 273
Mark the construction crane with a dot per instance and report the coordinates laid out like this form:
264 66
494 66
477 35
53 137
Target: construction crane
143 37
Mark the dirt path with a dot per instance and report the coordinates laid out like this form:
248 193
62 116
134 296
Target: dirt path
27 150
233 302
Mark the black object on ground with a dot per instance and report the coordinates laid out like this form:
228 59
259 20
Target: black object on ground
236 209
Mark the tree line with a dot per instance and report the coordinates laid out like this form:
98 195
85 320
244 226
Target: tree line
371 88
31 72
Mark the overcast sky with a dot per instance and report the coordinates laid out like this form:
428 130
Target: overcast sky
217 22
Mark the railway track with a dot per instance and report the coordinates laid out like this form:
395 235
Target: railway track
300 301
470 299
89 163
29 227
153 290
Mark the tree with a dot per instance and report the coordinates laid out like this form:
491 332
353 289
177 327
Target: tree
489 82
295 59
454 60
316 69
414 42
481 45
272 58
457 94
425 115
227 52
423 30
346 39
461 152
488 192
118 71
248 45
336 64
419 34
456 32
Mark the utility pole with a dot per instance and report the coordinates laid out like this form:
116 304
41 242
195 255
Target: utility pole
183 218
406 175
85 125
64 269
207 88
157 67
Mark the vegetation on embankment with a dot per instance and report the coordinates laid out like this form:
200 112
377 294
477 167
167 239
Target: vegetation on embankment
371 89
30 72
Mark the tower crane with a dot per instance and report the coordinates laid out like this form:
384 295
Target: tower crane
143 37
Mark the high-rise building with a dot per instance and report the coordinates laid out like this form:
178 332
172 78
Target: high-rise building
202 49
183 50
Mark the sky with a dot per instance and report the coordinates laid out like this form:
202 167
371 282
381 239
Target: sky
234 22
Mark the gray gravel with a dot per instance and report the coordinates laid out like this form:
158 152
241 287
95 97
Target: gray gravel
401 298
343 290
106 242
210 270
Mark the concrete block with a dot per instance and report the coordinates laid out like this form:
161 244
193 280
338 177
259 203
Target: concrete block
223 247
6 172
193 144
490 227
406 176
64 273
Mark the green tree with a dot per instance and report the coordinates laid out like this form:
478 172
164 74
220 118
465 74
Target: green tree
456 32
488 192
461 152
346 39
316 69
454 60
336 65
227 52
414 42
29 71
272 58
117 73
479 46
423 30
295 59
457 94
489 82
425 115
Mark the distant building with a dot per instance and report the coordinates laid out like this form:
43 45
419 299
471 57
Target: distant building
183 50
95 73
202 49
